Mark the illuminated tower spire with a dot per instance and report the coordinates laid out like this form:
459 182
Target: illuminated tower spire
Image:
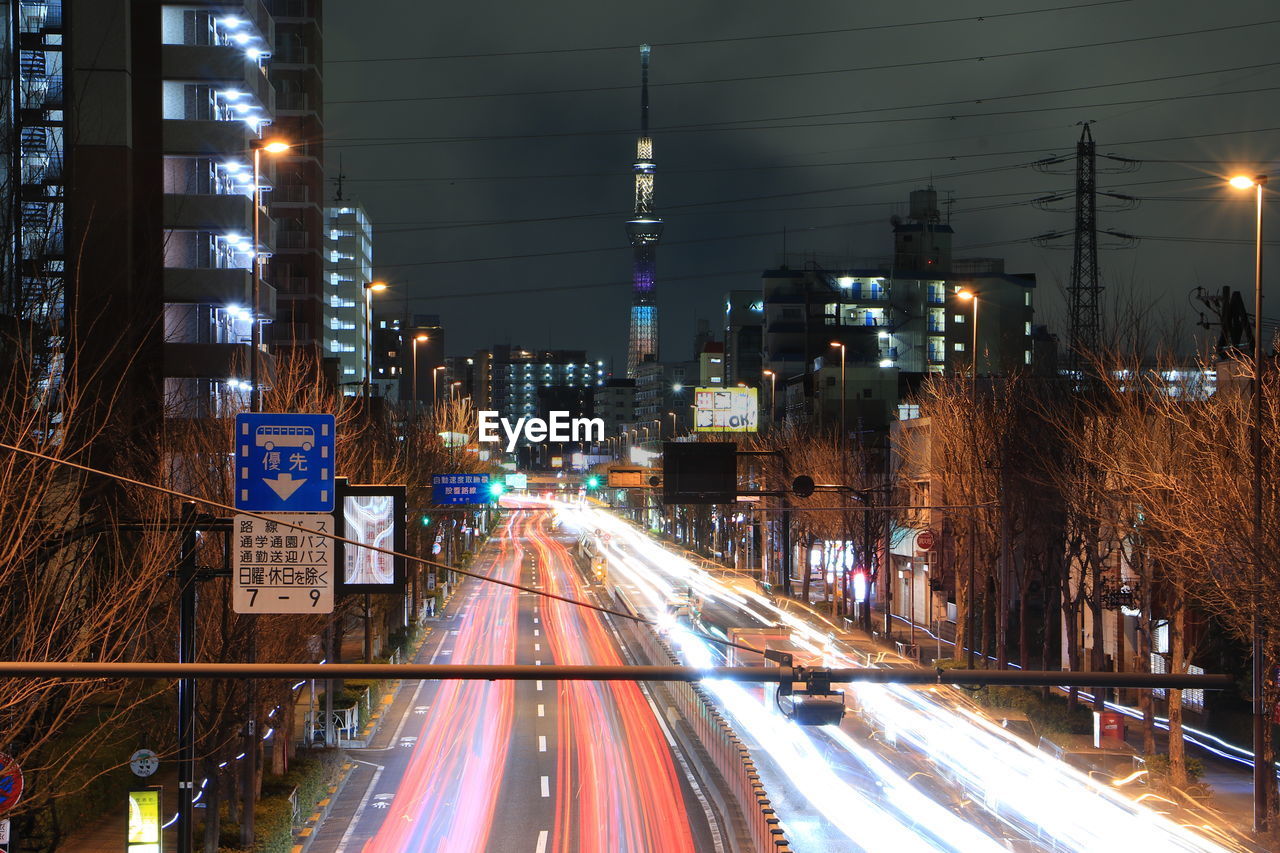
644 230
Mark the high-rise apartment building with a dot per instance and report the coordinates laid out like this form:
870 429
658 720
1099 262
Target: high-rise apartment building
510 378
348 266
132 141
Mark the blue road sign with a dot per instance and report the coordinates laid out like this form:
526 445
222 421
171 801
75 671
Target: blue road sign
284 462
460 488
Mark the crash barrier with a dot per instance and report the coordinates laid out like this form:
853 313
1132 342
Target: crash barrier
728 754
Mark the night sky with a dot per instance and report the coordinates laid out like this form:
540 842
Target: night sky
491 144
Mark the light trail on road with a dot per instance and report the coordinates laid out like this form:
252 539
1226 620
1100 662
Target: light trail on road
1003 787
450 789
613 757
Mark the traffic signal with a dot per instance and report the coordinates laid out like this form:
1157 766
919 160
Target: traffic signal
496 490
593 482
426 520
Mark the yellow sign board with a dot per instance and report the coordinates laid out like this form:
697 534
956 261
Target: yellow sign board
725 410
144 822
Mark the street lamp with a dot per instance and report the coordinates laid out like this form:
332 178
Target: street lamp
257 146
843 430
369 289
970 609
672 415
453 387
773 394
435 386
968 295
420 338
1260 769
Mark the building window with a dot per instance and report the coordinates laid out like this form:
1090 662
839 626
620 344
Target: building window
959 347
957 318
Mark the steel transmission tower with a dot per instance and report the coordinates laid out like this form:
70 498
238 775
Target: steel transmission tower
644 229
1084 294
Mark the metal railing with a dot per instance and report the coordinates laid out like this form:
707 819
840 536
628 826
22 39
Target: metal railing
730 757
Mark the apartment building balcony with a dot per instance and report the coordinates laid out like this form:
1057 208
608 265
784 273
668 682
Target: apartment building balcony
215 361
222 214
253 11
217 287
225 66
198 138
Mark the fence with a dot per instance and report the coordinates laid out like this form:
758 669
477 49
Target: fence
728 754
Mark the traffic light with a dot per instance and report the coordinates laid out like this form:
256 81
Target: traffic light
496 490
426 520
593 482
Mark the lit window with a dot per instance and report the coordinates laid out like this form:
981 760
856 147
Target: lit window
959 347
1026 354
958 318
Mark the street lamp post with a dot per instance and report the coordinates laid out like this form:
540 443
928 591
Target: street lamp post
773 394
672 415
843 428
435 386
255 404
866 542
255 329
417 339
1260 768
970 609
369 289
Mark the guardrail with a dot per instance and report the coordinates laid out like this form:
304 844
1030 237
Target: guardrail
729 755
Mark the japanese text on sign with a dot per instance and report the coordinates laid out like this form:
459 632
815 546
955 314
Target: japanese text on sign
279 569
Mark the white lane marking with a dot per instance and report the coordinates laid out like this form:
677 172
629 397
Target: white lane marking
537 685
542 842
542 743
546 786
542 710
364 801
537 663
535 620
537 647
536 632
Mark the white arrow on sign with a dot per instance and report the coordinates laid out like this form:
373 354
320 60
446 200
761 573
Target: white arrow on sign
284 485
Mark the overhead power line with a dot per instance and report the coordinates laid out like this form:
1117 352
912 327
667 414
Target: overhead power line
922 63
731 39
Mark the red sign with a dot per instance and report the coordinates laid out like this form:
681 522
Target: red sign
925 540
10 783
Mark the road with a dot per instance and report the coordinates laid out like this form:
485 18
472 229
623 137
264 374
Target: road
909 768
529 766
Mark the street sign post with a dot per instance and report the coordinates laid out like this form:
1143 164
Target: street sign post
277 569
925 540
460 488
10 783
284 462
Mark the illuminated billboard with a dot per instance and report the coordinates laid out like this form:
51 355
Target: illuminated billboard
144 822
725 410
371 515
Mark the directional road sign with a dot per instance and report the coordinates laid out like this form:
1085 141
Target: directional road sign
284 462
460 488
278 569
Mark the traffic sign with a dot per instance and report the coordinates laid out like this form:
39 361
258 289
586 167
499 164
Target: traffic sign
925 540
144 762
10 783
460 488
284 462
278 569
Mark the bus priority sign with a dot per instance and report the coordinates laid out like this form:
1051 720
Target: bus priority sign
284 462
